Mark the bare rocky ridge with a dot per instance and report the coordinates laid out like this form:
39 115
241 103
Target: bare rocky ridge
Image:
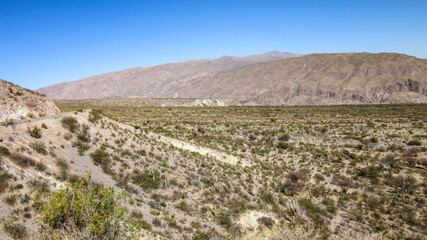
319 79
152 81
17 102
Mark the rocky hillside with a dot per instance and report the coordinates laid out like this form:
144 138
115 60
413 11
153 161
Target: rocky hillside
348 78
45 153
17 102
152 81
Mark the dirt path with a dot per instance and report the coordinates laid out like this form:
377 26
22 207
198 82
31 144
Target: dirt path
220 156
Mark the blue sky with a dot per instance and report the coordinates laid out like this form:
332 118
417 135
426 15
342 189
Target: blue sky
50 41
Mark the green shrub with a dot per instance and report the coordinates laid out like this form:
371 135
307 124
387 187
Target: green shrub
266 221
295 181
95 115
69 123
157 222
40 167
10 200
183 206
136 215
4 178
63 167
319 191
309 206
15 230
86 209
72 178
102 158
21 160
39 147
83 134
82 147
225 220
68 136
283 145
415 142
4 151
370 172
44 126
35 132
267 197
284 137
62 164
374 140
141 152
146 180
202 236
143 224
313 211
39 186
330 205
8 122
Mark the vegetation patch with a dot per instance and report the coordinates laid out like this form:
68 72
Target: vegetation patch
39 147
102 158
69 123
35 132
15 230
146 180
84 210
22 160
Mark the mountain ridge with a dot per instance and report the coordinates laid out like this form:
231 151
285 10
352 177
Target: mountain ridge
320 79
165 75
314 79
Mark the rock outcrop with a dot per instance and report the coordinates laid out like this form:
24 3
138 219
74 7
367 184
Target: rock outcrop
17 102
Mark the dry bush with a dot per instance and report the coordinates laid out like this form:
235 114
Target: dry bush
282 233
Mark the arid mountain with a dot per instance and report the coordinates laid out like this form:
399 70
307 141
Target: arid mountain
316 79
17 102
152 81
348 78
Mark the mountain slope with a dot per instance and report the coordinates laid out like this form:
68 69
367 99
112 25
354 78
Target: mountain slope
17 102
318 79
152 81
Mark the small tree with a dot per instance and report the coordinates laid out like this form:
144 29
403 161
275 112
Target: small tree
295 181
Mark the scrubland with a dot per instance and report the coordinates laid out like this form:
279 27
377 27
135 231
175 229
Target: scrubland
329 172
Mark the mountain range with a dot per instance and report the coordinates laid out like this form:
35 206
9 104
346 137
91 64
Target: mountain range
273 78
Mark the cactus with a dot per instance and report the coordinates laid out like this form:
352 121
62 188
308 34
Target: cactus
166 183
292 206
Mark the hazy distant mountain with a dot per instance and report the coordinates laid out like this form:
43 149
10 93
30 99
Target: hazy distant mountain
318 79
344 78
152 81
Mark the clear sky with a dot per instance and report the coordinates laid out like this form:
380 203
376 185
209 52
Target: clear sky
50 41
